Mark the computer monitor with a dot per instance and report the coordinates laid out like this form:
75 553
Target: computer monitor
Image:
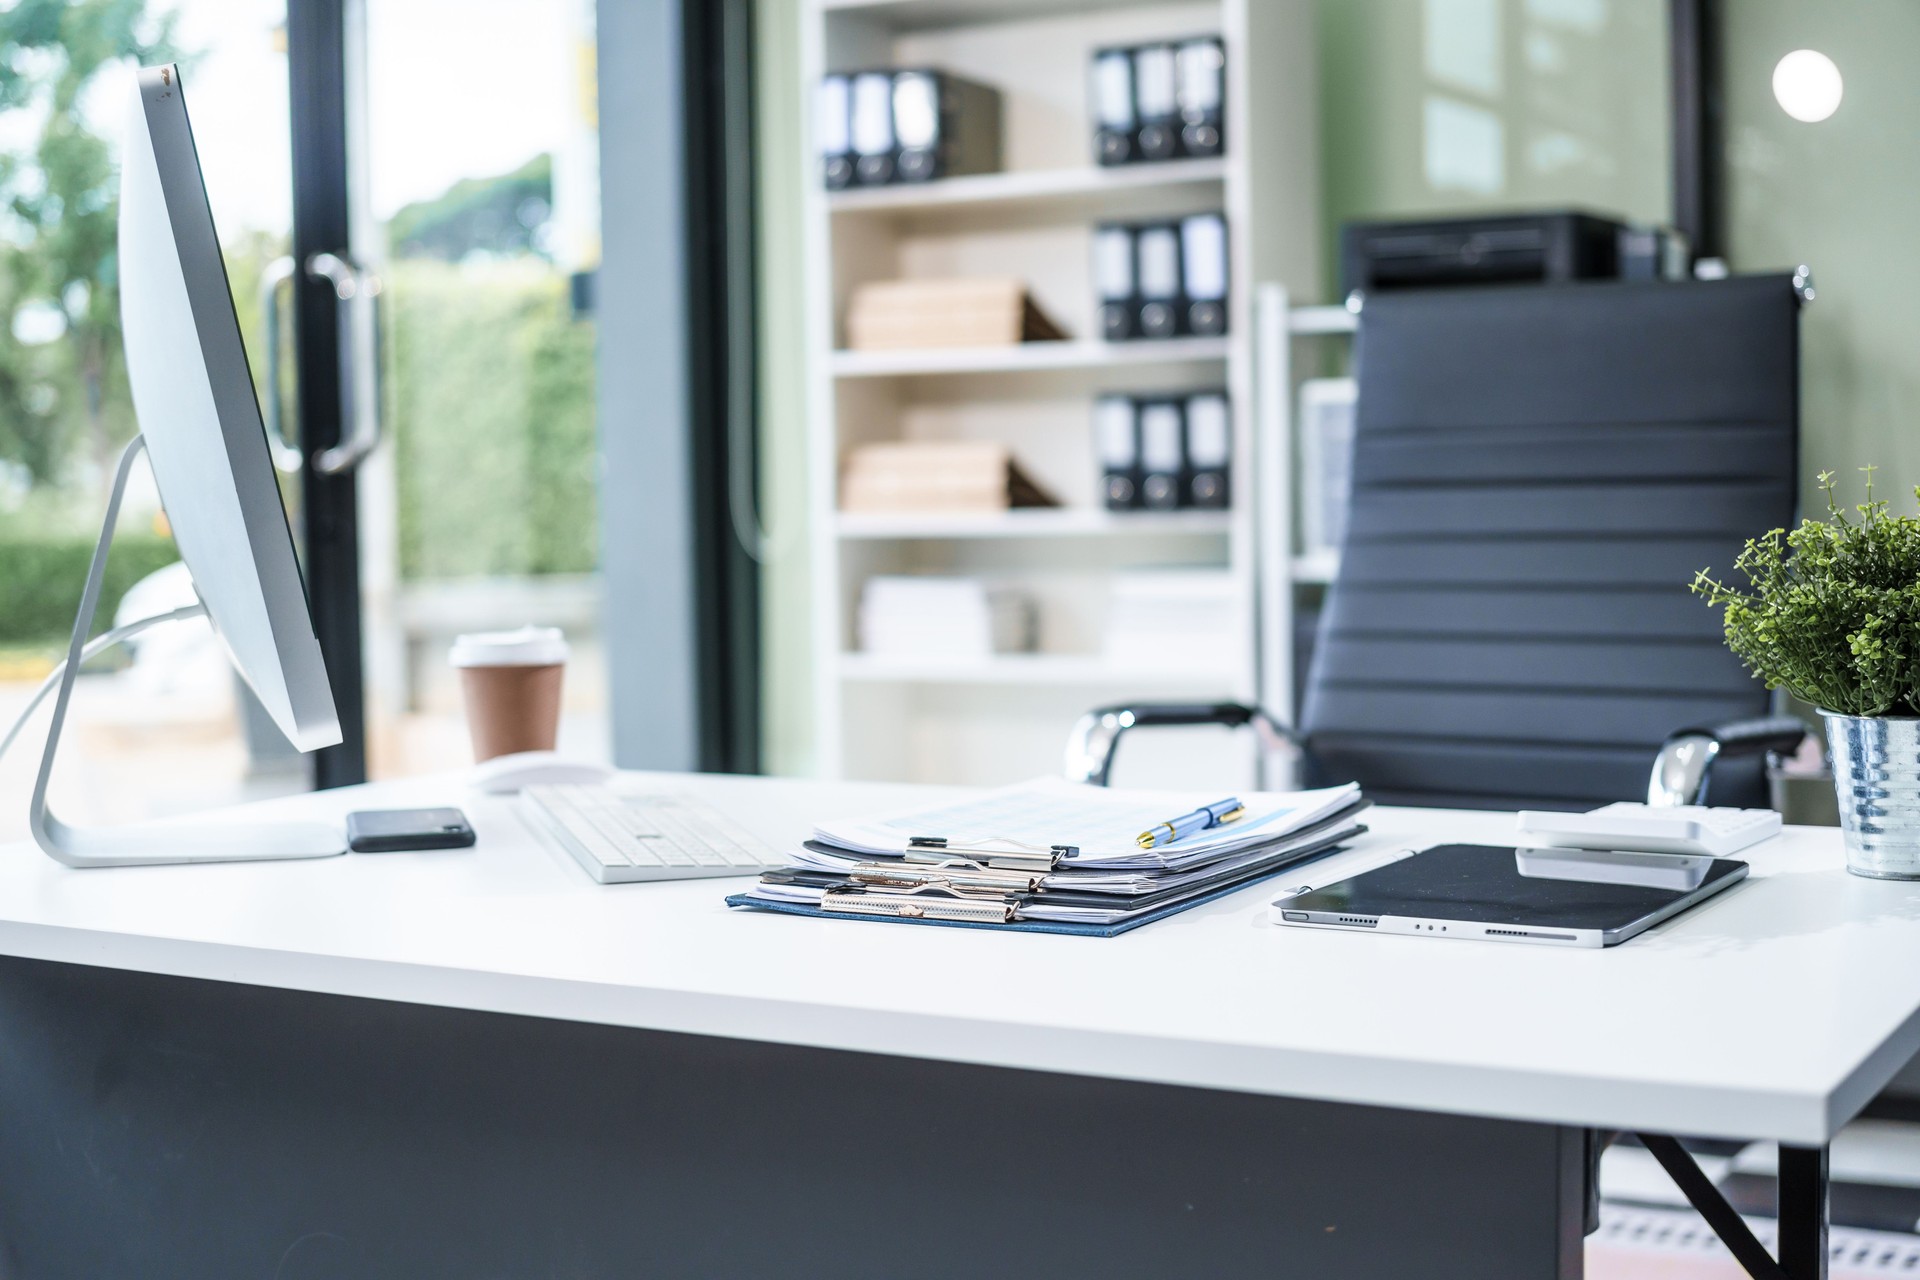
200 425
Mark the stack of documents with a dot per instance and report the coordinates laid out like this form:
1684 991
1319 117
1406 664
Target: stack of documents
890 314
926 617
1050 856
1177 618
919 476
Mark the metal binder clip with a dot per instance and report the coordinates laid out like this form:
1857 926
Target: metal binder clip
927 902
953 873
993 851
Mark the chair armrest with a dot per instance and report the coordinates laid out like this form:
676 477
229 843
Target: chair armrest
1095 738
1685 762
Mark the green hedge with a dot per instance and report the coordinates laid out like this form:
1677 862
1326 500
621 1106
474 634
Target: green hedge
41 579
490 397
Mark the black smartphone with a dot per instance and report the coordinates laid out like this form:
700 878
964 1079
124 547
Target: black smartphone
399 830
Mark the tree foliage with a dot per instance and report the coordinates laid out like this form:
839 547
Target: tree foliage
61 213
499 217
60 204
1832 609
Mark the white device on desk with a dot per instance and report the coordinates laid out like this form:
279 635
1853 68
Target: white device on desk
1652 829
201 428
504 775
619 836
1569 898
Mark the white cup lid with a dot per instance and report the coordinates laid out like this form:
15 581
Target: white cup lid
527 647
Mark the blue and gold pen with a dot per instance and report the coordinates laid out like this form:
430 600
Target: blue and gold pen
1210 815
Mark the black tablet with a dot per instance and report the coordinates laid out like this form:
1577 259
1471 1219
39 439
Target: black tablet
1570 897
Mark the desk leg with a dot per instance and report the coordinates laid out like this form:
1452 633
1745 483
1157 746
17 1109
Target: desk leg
1803 1212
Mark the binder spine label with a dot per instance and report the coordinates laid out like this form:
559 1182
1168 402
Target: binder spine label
871 127
1203 260
1162 455
1113 118
1158 251
917 126
1209 451
1202 94
1117 447
1113 281
832 109
1156 101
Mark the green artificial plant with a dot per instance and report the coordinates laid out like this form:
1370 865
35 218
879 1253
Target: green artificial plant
1832 609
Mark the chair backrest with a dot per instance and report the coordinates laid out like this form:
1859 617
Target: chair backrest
1538 472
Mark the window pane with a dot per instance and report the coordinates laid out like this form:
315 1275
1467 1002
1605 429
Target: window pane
1448 106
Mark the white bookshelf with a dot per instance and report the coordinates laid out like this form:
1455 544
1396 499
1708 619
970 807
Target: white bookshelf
921 15
1029 357
1007 717
1071 192
1038 522
1044 669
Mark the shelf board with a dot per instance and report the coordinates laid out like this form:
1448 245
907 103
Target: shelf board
1033 522
1309 320
1064 191
924 15
1076 669
1024 357
1316 566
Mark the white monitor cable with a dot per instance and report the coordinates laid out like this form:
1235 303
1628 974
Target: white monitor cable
96 646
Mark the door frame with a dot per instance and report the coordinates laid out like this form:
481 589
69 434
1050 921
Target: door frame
329 504
674 304
1696 107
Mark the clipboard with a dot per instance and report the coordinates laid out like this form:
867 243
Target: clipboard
1011 926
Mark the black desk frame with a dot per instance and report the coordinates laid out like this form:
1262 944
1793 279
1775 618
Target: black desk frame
1802 1210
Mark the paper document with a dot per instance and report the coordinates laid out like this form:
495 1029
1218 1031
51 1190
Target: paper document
1101 823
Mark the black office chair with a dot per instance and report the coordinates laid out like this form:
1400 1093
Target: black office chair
1538 471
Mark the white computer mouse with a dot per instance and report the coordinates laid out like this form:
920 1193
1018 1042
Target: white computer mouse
503 775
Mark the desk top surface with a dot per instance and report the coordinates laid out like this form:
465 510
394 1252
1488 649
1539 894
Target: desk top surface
1775 1010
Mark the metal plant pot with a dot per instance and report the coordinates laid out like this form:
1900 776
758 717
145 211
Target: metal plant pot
1876 777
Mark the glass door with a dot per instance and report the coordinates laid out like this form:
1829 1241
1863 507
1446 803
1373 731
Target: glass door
476 205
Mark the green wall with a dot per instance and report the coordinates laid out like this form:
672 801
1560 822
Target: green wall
1841 196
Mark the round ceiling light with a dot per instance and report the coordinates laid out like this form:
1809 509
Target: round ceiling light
1807 85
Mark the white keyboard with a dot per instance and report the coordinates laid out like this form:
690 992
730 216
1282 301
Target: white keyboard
622 836
1644 828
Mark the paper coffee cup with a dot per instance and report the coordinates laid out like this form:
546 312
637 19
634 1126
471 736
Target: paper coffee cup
511 682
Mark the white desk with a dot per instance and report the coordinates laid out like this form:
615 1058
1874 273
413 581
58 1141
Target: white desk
1774 1011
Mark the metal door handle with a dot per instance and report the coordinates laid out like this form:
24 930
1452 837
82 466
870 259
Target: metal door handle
286 455
357 291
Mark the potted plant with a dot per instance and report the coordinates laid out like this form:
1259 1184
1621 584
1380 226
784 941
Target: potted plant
1831 614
